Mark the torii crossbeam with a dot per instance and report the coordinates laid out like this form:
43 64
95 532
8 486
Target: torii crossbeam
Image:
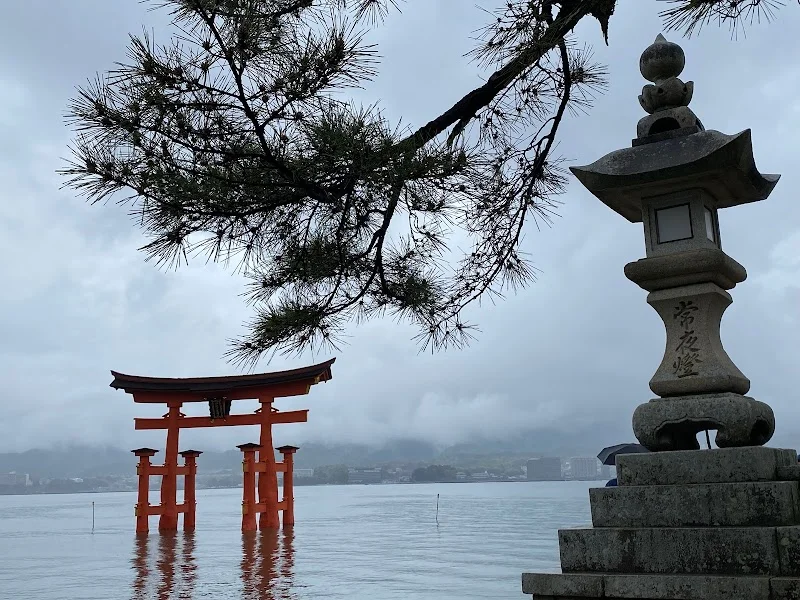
218 392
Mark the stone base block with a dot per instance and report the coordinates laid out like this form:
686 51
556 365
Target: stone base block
722 465
754 504
657 587
579 585
682 551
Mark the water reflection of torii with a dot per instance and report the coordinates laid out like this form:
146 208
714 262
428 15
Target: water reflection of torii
267 566
175 556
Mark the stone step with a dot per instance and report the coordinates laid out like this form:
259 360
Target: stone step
569 586
721 465
683 551
754 504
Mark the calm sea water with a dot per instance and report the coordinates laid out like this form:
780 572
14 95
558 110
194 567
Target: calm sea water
355 542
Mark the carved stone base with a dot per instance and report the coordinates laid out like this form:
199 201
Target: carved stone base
673 423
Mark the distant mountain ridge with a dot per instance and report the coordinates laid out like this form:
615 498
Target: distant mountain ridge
93 461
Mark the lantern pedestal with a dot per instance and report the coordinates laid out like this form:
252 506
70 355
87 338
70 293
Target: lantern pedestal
694 360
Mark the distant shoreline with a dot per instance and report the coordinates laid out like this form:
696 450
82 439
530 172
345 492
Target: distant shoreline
63 492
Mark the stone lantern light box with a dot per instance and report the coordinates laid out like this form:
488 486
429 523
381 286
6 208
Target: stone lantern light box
680 222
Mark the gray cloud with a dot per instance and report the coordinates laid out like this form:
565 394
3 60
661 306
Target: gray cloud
575 349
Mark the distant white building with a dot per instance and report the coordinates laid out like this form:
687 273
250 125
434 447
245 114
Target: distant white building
304 472
584 467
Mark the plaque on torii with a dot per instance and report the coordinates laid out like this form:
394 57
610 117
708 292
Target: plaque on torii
219 393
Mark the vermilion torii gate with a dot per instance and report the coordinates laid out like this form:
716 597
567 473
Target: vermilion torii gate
219 392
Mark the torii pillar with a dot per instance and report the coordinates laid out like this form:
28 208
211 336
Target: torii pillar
189 483
288 484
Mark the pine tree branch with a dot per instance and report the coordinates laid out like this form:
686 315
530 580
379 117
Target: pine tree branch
468 106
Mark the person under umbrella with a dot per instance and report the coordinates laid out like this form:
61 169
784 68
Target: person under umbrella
608 456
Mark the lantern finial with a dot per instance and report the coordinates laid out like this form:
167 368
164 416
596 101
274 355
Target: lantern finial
667 98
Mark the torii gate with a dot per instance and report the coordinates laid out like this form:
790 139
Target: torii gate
219 392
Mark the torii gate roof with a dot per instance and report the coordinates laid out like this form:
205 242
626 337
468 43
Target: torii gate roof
282 383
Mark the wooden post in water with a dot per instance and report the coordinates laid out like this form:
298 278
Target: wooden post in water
142 510
249 508
189 498
288 484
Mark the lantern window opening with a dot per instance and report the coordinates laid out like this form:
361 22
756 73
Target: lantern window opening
674 223
711 230
663 125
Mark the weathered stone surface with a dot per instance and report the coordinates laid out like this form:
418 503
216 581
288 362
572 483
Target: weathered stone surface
558 584
785 588
788 539
686 587
678 551
703 265
789 473
721 465
755 504
673 423
694 360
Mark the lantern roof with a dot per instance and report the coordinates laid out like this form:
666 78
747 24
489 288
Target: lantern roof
722 165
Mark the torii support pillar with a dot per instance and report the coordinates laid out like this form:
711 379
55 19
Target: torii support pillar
249 507
288 484
142 509
267 472
168 520
189 498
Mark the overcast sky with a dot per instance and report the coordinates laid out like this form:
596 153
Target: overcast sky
574 350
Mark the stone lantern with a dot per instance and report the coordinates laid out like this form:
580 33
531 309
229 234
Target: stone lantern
674 180
685 523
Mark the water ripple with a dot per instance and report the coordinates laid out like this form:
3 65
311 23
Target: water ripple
376 542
